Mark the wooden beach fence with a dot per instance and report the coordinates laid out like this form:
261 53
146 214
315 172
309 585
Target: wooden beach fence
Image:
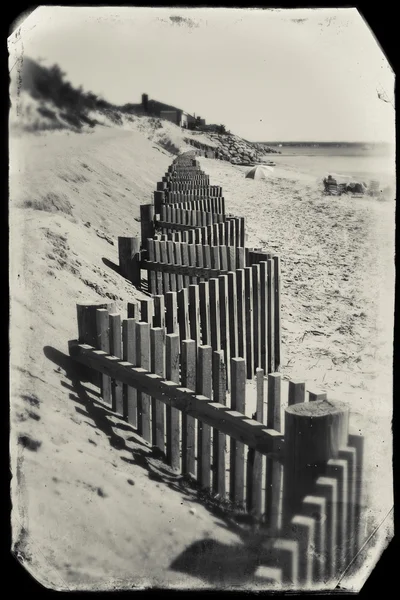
301 475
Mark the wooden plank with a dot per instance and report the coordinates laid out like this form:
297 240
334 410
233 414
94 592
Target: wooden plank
164 259
271 317
232 315
129 259
255 459
264 315
157 258
173 438
223 258
240 258
297 392
129 355
224 323
204 387
215 328
171 306
151 275
103 343
274 401
277 312
304 528
256 316
133 310
231 258
248 297
157 348
188 368
315 507
326 488
215 257
146 222
147 310
349 454
228 421
143 360
178 261
159 311
215 229
194 313
273 494
315 396
241 317
238 403
357 442
219 438
337 469
116 350
205 313
183 314
185 261
192 261
171 261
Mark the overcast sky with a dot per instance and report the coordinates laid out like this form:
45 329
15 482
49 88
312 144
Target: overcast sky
267 75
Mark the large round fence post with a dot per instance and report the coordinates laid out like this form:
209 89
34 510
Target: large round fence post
146 223
129 259
314 433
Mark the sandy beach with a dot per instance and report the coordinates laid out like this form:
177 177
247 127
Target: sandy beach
89 498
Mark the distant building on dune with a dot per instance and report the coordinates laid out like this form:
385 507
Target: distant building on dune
170 113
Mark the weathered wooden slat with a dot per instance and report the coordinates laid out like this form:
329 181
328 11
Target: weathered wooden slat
232 315
158 259
219 439
159 311
326 488
277 312
248 297
194 313
164 259
264 315
256 316
116 350
143 360
228 421
204 387
103 343
274 401
173 428
224 324
147 310
171 306
238 403
271 317
178 261
183 314
297 392
205 313
129 355
188 375
152 283
157 348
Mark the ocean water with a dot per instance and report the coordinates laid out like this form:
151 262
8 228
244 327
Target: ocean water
319 162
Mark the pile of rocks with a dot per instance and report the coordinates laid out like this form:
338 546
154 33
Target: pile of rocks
234 148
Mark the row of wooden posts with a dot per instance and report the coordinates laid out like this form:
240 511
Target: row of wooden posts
302 475
176 366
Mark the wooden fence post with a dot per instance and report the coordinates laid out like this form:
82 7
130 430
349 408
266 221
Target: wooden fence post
238 403
116 350
314 433
204 388
146 222
172 354
157 348
103 343
143 360
219 439
129 259
129 355
188 376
